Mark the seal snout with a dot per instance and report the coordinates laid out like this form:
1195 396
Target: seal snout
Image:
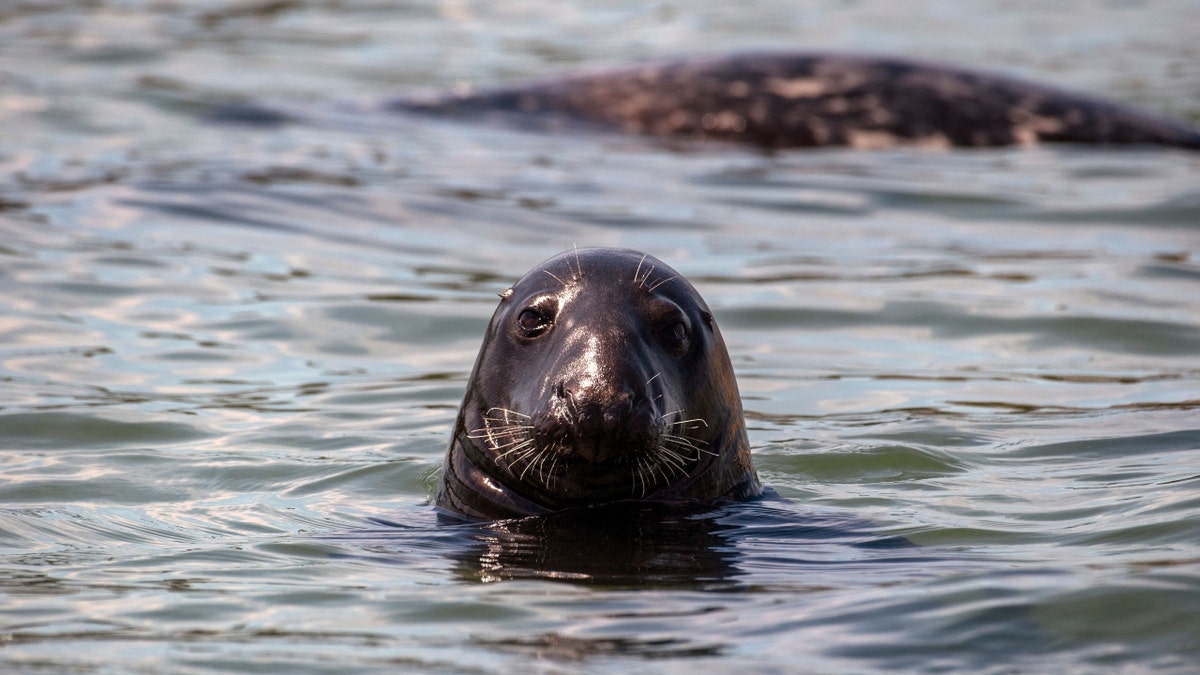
597 422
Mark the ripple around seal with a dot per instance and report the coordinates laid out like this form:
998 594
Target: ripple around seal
1038 333
863 465
1183 441
56 430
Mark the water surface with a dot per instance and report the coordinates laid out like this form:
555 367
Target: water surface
231 356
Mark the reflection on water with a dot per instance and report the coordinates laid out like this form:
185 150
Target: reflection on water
228 353
660 546
618 546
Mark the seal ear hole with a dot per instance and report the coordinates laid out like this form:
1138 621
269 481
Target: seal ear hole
708 320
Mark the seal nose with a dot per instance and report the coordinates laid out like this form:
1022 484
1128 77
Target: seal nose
607 402
601 421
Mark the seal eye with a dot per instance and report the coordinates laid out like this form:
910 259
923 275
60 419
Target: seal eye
532 322
675 338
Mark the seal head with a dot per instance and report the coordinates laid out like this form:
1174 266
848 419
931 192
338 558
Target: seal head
602 378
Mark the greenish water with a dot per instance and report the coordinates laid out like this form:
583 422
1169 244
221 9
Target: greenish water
230 357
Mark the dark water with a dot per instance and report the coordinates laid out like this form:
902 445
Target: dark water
230 356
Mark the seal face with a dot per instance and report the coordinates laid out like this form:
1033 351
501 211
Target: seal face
602 378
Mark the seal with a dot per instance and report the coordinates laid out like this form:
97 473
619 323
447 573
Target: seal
796 99
602 378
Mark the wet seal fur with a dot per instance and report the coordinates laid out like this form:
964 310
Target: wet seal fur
788 100
602 379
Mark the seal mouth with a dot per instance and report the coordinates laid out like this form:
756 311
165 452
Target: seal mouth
588 460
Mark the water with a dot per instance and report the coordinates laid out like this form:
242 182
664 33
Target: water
231 356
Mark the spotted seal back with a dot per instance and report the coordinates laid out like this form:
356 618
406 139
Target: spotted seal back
785 100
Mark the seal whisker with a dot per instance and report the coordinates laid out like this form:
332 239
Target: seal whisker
506 411
644 464
508 423
635 477
499 436
695 424
528 466
664 416
505 443
527 456
650 478
520 451
652 466
521 423
639 268
542 467
506 430
533 463
543 475
645 277
549 480
556 278
684 441
669 457
510 445
524 447
676 439
694 444
660 283
501 431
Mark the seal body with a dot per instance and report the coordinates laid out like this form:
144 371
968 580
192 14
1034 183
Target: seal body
602 378
781 100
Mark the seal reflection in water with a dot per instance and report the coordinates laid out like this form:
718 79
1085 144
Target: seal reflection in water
602 378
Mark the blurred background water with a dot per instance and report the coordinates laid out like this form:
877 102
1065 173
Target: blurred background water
230 356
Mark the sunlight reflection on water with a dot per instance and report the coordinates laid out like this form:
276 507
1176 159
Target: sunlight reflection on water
230 357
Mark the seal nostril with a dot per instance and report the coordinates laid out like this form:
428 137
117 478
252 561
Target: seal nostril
560 390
